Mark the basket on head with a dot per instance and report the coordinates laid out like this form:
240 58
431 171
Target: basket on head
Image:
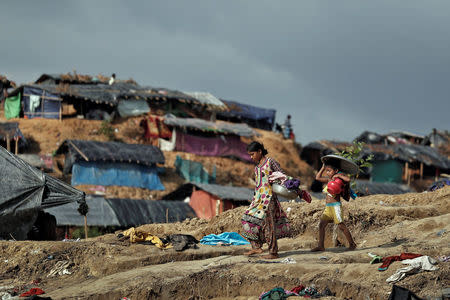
345 164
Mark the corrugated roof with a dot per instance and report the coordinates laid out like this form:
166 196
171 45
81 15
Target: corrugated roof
112 152
122 212
240 129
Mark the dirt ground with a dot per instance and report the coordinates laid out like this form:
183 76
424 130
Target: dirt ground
109 268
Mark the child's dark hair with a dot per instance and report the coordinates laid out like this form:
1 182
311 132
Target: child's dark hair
332 164
256 146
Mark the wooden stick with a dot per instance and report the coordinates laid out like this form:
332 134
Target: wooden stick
167 215
16 151
421 170
79 151
8 142
85 228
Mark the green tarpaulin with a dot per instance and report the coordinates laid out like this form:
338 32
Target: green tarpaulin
194 171
12 107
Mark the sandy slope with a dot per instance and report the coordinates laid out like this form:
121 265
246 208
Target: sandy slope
106 268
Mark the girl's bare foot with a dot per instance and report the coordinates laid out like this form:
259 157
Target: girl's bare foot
254 251
270 256
318 249
352 247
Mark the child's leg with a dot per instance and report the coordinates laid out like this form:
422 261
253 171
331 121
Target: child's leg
348 235
321 245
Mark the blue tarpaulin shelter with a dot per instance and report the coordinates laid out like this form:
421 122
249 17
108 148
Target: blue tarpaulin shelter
254 116
112 163
40 103
121 174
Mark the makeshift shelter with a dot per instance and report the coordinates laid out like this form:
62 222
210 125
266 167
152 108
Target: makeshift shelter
210 138
193 171
254 116
209 200
389 160
10 135
105 212
36 101
24 191
112 163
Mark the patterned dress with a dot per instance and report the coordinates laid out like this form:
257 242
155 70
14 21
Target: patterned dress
265 221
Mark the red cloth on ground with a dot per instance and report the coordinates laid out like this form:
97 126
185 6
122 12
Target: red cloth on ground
390 259
31 292
298 289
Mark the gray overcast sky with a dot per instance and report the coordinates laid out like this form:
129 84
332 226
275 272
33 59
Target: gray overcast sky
338 67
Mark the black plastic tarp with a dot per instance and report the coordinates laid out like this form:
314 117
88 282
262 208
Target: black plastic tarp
122 212
24 190
79 150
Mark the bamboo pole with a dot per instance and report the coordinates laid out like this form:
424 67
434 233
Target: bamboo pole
167 215
16 150
85 228
79 151
421 170
8 142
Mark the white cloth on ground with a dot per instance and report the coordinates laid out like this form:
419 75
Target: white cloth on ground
415 265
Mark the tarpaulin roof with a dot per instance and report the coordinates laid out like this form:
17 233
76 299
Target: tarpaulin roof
24 187
109 94
112 152
123 212
203 125
240 110
207 99
409 153
404 152
223 192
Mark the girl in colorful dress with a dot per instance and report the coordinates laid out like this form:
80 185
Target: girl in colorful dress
264 221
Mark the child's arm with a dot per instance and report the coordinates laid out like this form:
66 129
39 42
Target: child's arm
319 176
344 178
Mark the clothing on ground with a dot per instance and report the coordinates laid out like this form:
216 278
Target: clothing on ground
139 236
416 265
390 259
231 238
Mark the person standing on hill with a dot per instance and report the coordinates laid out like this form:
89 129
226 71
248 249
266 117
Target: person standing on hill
264 221
336 182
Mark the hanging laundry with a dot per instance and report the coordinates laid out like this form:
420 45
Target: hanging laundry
35 101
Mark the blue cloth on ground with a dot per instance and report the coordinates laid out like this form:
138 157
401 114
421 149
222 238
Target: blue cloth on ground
232 238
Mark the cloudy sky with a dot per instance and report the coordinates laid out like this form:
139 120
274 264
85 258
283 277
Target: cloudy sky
338 67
